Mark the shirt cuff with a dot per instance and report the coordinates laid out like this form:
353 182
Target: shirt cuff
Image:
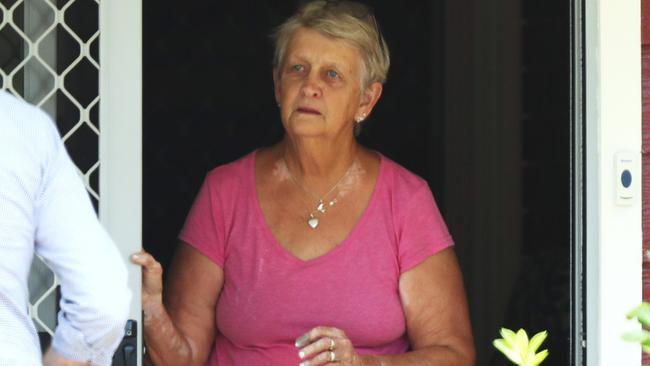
71 344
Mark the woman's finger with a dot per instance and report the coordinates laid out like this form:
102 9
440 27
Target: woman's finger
317 333
323 344
151 275
145 260
323 358
150 266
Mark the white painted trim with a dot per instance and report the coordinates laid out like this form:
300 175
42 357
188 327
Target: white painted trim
613 102
120 154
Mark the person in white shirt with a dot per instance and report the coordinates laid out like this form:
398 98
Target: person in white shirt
45 209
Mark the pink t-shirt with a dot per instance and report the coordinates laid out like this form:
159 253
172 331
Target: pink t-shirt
270 297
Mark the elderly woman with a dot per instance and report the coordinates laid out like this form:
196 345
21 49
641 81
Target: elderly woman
315 251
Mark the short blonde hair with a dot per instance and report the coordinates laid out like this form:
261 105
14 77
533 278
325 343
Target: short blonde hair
352 22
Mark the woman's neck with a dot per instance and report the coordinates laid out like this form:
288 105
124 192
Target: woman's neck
318 164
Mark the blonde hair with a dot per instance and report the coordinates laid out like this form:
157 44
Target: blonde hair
346 20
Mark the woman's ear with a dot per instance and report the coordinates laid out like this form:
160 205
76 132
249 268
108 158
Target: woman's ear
369 98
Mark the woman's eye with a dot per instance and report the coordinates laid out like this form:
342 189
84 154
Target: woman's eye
297 68
332 74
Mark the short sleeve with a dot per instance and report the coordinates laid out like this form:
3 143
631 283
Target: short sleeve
203 227
422 231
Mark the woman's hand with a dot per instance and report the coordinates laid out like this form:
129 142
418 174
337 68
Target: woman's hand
179 332
326 346
151 281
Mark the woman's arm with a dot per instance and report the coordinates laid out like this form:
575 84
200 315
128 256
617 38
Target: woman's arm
437 323
437 318
182 331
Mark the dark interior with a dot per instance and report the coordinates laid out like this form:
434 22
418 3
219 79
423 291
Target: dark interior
477 102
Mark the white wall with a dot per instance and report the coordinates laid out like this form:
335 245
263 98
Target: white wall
613 87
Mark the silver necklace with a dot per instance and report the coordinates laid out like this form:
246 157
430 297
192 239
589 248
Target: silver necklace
321 206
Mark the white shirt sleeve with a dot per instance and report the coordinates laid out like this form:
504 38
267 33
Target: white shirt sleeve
94 292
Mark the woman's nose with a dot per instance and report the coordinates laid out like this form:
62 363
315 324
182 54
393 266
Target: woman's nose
311 87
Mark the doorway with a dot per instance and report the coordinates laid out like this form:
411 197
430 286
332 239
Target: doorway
478 102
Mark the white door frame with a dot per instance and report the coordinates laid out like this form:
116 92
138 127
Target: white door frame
614 234
613 114
120 144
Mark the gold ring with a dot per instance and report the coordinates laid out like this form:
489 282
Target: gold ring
332 344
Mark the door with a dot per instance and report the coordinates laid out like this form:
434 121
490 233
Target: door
513 169
61 56
481 101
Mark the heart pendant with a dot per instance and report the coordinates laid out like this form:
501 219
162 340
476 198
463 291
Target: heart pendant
313 222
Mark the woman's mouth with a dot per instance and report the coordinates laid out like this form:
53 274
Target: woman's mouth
307 110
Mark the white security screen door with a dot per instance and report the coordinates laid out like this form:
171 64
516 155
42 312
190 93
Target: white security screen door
58 55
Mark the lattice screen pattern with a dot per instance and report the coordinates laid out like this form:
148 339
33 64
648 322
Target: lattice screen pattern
49 56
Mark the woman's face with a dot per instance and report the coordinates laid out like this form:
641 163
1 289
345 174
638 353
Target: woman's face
318 86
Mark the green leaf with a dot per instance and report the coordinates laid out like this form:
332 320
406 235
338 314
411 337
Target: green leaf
522 342
646 348
511 354
642 313
539 357
637 336
519 349
537 341
508 336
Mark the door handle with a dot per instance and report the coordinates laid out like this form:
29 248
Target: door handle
126 354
